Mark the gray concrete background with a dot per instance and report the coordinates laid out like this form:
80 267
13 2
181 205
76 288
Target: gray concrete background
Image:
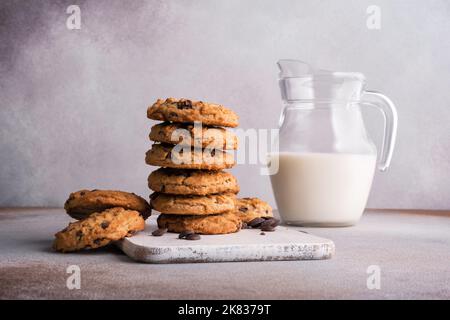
73 102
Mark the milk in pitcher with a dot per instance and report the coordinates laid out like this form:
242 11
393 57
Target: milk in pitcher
322 189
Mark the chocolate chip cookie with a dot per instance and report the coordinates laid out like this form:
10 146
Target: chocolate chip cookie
211 224
192 205
84 202
189 111
164 155
248 209
193 135
195 182
98 230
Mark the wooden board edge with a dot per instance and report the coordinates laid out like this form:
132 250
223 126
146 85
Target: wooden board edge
241 253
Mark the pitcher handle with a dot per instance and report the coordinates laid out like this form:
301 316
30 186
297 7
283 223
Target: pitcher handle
387 108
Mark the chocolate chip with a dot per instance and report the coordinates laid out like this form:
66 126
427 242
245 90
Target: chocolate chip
244 225
213 152
97 241
267 228
193 236
173 114
184 234
82 193
184 104
79 234
162 189
255 223
159 232
271 222
243 209
262 233
275 222
104 224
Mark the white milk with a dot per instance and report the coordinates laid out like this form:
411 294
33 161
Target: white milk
322 189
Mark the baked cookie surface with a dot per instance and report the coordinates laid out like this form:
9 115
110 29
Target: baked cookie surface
248 209
211 224
193 205
161 155
192 135
98 230
194 182
84 202
188 111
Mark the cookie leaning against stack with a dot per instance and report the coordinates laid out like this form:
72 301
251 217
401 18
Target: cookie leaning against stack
191 190
104 216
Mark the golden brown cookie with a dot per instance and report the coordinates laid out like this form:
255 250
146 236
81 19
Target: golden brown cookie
192 205
195 182
99 229
192 135
211 224
161 155
184 110
84 202
248 209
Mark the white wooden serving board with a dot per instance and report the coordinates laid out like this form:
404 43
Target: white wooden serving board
246 245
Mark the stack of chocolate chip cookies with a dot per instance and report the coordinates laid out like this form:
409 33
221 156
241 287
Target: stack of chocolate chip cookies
191 190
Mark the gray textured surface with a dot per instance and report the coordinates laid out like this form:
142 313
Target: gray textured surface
72 103
411 249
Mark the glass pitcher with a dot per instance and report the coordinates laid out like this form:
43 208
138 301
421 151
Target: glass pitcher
326 161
